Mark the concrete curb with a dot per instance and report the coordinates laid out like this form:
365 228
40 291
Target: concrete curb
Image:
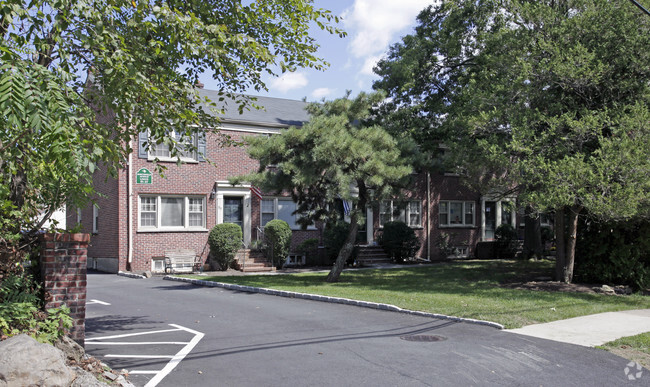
130 275
337 300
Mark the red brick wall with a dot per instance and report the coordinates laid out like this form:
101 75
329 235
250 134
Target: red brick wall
63 271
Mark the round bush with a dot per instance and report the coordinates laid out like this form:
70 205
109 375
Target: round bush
224 240
399 241
278 237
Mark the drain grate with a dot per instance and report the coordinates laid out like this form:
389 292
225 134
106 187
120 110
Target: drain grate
423 338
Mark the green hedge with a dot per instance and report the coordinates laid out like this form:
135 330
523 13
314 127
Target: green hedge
613 253
399 241
224 240
278 237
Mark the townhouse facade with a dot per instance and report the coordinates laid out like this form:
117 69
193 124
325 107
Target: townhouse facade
140 214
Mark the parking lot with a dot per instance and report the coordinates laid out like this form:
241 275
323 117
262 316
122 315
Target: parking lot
175 334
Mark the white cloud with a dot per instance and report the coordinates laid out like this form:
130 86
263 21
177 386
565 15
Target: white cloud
321 92
374 25
289 81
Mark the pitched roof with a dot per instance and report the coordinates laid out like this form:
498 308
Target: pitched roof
276 112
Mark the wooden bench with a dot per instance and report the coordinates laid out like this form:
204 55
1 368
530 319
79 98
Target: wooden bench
184 260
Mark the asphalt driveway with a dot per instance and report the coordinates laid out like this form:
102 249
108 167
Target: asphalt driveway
175 334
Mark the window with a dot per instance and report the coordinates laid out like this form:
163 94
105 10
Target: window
409 212
456 214
172 213
280 208
184 143
95 219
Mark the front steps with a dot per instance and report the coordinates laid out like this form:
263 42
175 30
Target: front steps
369 255
250 261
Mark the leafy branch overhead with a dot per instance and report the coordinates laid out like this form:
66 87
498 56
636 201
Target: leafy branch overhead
79 78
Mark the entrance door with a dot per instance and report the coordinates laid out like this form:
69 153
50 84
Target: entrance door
490 219
233 210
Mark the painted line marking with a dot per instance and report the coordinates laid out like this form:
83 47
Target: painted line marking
140 343
133 334
174 359
180 355
97 302
142 356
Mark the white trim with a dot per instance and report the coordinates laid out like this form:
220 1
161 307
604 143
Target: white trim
158 227
224 188
95 218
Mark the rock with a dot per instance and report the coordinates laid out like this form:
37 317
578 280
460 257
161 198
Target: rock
147 274
622 289
123 382
109 375
86 379
26 362
604 290
71 350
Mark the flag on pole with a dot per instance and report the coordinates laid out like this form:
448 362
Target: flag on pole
256 191
346 206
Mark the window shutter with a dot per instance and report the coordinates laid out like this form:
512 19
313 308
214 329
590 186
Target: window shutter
200 144
142 151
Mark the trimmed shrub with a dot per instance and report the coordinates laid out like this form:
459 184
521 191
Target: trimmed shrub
334 238
224 240
613 253
505 241
278 238
309 247
399 241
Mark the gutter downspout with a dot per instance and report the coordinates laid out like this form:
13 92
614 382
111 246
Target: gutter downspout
428 216
130 206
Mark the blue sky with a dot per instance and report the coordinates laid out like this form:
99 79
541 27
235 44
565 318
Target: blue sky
372 26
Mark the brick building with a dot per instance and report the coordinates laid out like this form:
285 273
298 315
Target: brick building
141 214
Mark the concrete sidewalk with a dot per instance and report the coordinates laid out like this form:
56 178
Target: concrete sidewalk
592 330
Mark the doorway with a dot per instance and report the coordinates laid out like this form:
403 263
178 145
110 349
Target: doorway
233 210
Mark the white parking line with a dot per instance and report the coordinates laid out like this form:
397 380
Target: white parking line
97 302
174 359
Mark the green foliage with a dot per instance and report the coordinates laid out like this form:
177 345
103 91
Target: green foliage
614 253
25 318
399 241
19 288
309 247
339 148
78 79
544 98
505 241
225 240
334 237
278 236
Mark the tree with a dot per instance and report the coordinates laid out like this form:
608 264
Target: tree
548 99
79 78
337 155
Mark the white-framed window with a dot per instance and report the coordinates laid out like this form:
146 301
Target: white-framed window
280 208
172 213
456 213
409 212
162 151
95 219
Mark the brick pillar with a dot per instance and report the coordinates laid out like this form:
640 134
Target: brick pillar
63 271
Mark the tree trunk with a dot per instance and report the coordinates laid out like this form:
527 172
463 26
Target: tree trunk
532 234
566 238
559 244
346 250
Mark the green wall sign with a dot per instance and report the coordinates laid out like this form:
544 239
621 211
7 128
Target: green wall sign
143 176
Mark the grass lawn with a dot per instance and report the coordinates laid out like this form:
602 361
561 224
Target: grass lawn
635 348
465 289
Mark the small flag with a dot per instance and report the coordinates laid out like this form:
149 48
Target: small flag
346 207
256 191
